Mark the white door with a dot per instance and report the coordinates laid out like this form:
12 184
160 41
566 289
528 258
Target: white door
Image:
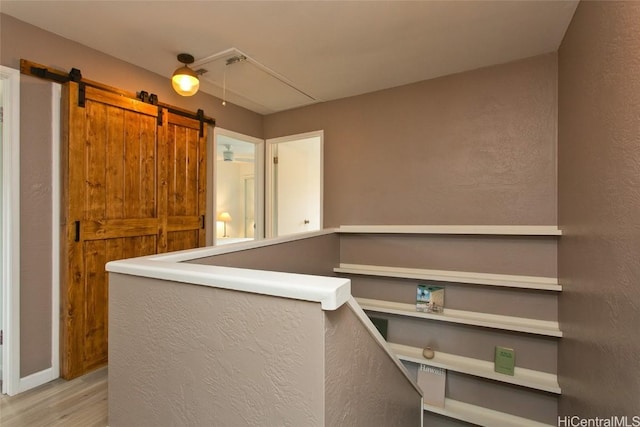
296 184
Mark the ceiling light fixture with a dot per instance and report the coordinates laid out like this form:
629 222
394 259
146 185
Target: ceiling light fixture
227 154
184 80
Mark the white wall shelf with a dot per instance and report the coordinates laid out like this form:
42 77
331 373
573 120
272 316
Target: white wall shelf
480 415
480 368
542 382
494 321
492 230
488 279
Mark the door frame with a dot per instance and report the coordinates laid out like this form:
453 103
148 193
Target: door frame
56 212
269 179
259 182
10 237
246 178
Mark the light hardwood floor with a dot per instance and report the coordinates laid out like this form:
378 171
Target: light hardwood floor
81 402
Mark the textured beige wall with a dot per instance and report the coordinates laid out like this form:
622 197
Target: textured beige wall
472 148
530 256
194 355
183 354
316 255
35 226
599 210
20 40
363 387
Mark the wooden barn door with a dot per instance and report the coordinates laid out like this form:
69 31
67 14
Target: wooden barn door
186 179
118 188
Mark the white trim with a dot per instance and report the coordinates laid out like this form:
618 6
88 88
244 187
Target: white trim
10 229
269 151
37 379
486 320
488 279
209 223
480 368
259 180
480 415
56 96
330 292
259 212
490 230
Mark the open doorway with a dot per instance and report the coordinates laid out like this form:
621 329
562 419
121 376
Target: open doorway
238 182
9 230
295 177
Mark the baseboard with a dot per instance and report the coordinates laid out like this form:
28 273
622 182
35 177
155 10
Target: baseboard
34 380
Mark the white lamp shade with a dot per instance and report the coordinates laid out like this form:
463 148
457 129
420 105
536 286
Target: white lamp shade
224 217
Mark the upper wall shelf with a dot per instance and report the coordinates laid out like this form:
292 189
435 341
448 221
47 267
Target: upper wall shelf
491 230
488 279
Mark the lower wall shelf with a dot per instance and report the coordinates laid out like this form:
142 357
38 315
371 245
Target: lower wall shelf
481 416
481 368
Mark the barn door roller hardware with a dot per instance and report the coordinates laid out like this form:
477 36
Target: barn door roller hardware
48 73
45 73
73 76
152 98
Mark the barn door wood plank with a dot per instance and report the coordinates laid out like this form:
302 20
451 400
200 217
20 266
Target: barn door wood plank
186 183
110 208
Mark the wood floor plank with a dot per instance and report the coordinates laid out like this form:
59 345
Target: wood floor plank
81 402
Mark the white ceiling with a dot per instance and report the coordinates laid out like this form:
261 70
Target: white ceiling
324 49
